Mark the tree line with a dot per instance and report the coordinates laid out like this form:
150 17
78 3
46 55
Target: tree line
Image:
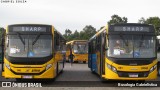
88 31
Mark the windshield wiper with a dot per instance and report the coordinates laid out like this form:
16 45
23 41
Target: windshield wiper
21 38
37 37
78 47
141 41
121 36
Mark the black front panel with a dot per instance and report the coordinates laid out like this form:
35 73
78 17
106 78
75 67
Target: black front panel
29 61
132 62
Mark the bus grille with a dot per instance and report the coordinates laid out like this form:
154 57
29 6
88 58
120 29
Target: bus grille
127 74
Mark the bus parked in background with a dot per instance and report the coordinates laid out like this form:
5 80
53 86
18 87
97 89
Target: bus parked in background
33 51
79 49
124 52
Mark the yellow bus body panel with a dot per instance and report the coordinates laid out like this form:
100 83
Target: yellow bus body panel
80 57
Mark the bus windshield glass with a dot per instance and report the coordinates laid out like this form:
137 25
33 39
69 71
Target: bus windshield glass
29 45
80 48
131 46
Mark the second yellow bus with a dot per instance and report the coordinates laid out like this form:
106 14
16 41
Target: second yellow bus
79 49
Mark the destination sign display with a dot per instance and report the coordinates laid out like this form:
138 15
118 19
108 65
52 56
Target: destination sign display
29 29
132 28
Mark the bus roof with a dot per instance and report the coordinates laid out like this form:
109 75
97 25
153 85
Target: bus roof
29 24
132 24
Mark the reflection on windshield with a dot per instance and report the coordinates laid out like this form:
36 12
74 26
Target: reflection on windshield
131 46
41 47
80 48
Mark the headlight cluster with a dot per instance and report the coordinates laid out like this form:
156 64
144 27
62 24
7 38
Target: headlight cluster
112 68
153 68
8 66
48 66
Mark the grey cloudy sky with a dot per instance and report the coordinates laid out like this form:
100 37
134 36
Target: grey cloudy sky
76 14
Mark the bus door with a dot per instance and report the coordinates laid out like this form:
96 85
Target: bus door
2 49
89 54
102 54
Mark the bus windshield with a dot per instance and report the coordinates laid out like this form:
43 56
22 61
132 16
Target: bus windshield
29 45
80 48
131 46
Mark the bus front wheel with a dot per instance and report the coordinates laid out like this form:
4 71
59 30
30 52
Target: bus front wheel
158 71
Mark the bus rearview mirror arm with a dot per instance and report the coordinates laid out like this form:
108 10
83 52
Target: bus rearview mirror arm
106 48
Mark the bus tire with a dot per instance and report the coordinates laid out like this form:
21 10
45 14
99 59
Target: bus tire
57 70
158 71
103 80
75 61
84 61
158 68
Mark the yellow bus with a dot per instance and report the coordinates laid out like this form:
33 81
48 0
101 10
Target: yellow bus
79 49
124 52
33 51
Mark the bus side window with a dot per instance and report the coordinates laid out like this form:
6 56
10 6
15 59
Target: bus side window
61 44
94 45
98 43
56 41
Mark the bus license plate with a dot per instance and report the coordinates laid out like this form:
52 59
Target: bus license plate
27 77
133 75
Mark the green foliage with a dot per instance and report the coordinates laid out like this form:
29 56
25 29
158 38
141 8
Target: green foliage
1 32
117 19
155 21
87 32
142 20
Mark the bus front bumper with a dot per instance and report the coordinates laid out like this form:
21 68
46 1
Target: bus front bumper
114 76
48 74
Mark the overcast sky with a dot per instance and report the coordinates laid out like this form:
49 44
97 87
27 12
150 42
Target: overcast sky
76 14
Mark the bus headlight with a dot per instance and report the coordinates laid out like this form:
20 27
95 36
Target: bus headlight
48 66
109 66
153 68
8 66
112 68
